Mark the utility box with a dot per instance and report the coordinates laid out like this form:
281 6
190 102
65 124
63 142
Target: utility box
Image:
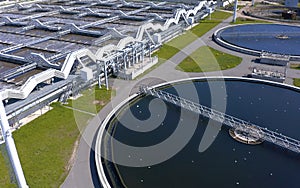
157 38
209 10
86 73
191 20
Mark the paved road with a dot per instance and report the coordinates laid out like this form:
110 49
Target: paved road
83 173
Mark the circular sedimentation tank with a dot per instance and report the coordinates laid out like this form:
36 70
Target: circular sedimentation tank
255 38
225 162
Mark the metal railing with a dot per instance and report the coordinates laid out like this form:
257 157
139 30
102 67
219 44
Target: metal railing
11 73
233 122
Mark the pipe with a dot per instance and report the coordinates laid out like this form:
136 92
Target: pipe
99 81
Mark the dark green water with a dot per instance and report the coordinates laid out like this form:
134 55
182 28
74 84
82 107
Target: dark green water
226 163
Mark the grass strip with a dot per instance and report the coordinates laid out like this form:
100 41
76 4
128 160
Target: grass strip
207 59
296 82
295 66
172 47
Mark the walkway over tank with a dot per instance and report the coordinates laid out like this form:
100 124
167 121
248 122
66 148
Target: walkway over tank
233 122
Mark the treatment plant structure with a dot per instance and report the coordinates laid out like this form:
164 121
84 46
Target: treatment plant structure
51 50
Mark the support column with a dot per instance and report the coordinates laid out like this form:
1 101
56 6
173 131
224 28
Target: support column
99 67
124 59
99 81
105 73
11 149
150 52
133 55
143 52
149 49
117 63
137 55
235 11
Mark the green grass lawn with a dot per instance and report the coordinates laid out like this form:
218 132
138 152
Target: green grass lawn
6 174
295 66
296 82
240 20
206 59
210 22
46 144
92 100
199 30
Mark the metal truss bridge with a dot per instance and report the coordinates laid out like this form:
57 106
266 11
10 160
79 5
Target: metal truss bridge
233 122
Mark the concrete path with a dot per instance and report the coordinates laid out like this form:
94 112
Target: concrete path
83 173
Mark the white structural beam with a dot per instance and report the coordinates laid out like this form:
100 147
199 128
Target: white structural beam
11 148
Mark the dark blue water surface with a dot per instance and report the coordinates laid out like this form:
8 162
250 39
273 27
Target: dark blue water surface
263 37
226 163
